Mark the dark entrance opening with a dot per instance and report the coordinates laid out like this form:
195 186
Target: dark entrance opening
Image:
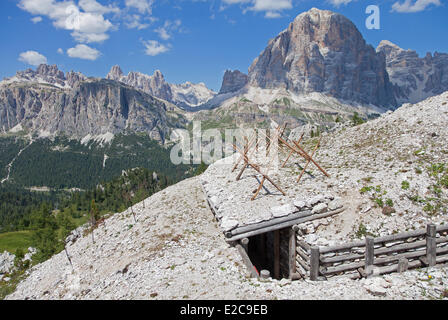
269 251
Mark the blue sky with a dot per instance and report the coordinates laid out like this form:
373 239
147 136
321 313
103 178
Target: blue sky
188 40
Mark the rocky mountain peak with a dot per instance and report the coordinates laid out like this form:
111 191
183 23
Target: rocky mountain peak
388 44
158 74
73 78
158 79
233 81
51 71
115 73
322 51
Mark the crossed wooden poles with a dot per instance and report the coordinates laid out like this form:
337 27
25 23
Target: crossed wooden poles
251 145
245 155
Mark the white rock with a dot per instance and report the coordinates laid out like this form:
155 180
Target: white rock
311 238
299 204
281 211
320 208
6 262
228 224
283 282
315 200
334 205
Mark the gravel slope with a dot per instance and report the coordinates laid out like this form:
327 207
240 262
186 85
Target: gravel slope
175 251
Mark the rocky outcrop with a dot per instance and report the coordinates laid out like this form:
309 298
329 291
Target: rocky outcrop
6 262
322 51
233 81
415 78
115 73
73 78
182 95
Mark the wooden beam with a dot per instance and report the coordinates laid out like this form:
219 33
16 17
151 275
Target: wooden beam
264 224
245 244
308 162
247 147
258 189
276 254
307 156
250 267
276 226
431 245
390 238
370 256
256 167
291 151
292 251
314 263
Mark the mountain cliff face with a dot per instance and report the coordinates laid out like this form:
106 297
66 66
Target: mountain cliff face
322 51
182 95
91 107
415 78
233 81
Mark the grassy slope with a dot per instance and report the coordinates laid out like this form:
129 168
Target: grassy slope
11 241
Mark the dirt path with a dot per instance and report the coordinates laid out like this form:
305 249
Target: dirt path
9 166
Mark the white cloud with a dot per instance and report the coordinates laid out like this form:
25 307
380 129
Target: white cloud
94 7
60 51
89 37
168 28
33 58
134 22
154 48
36 19
271 5
272 15
235 1
337 3
411 6
83 51
88 25
272 8
141 5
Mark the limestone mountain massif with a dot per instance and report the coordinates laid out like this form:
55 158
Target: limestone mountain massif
186 95
91 107
323 51
415 78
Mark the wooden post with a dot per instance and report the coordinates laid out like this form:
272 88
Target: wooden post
68 257
292 251
369 256
403 265
276 254
431 244
314 263
265 274
262 246
250 267
245 244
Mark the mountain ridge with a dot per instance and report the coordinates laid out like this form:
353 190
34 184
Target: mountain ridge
415 78
185 95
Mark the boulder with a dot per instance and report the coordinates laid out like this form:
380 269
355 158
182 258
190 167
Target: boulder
320 208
